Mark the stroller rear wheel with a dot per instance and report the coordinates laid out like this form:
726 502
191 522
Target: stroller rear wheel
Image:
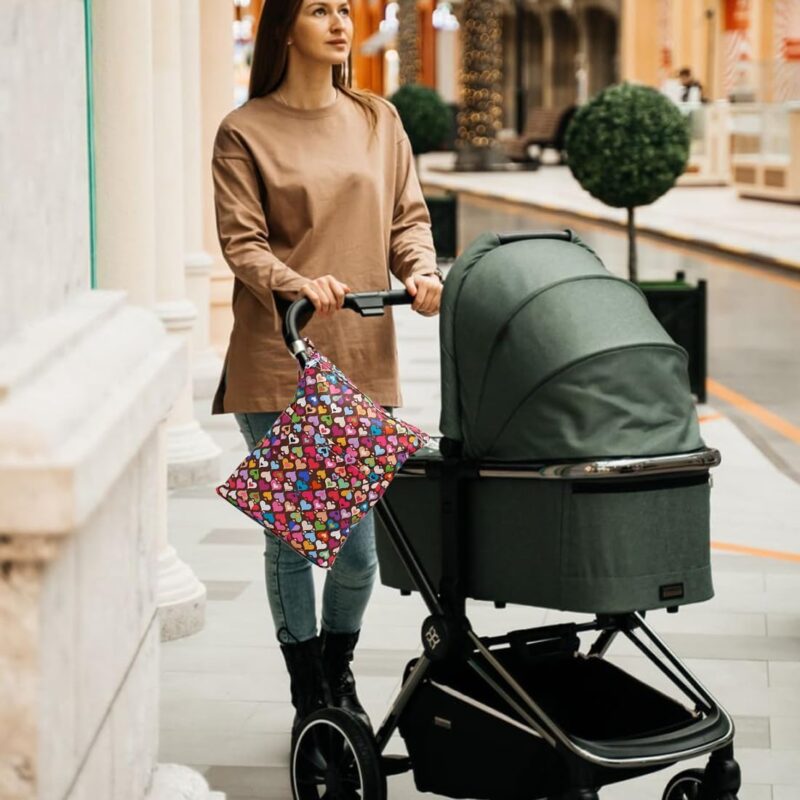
334 757
685 785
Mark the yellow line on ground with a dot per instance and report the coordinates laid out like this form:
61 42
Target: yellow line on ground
710 417
765 417
744 550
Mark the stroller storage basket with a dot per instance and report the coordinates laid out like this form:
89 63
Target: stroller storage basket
465 742
592 545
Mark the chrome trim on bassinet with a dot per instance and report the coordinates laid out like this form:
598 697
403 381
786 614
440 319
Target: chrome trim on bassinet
636 467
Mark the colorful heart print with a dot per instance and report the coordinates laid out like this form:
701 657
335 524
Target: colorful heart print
327 460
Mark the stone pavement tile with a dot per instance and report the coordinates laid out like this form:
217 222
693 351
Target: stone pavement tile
203 514
242 660
193 492
259 783
784 700
785 586
770 766
251 797
735 562
250 535
649 787
782 792
783 625
193 686
226 563
785 674
221 632
381 663
222 716
390 637
698 619
762 648
223 591
785 732
753 732
232 750
270 718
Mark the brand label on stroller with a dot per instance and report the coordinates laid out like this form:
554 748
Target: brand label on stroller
671 591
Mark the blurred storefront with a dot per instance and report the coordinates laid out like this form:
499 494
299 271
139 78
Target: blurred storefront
745 54
740 50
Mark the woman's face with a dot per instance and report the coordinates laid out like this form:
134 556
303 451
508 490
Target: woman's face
323 31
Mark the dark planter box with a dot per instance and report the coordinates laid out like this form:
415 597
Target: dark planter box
681 310
444 224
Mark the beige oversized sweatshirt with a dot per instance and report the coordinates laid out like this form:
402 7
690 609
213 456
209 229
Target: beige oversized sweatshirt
305 193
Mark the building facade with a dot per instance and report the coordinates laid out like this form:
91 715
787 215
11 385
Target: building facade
104 343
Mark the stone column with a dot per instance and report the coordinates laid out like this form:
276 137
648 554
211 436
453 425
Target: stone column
126 221
192 456
123 99
206 362
216 95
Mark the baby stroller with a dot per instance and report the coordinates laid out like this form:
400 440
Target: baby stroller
571 476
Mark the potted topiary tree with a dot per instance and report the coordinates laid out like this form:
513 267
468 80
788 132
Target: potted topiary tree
627 147
427 121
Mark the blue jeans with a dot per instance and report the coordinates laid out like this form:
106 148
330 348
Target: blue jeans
290 583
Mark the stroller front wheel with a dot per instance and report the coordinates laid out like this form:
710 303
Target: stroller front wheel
685 785
334 756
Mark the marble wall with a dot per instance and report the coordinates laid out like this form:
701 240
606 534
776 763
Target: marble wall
81 438
44 183
87 381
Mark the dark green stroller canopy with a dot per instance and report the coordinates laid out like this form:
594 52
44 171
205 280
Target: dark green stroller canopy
546 355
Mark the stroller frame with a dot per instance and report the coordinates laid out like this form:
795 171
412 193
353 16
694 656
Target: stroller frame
447 634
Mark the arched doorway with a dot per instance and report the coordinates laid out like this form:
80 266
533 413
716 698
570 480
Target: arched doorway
532 62
534 59
565 49
603 45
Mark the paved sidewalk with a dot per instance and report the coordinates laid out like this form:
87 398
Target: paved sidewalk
225 707
714 217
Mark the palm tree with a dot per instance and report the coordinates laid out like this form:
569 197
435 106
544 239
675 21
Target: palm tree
481 112
408 42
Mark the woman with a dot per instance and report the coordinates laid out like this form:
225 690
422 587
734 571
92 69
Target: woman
316 196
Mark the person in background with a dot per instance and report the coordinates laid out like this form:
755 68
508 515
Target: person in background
692 89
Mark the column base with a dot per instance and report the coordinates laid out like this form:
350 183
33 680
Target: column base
181 597
192 456
172 781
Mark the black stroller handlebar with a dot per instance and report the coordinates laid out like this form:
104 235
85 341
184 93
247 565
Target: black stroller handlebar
368 304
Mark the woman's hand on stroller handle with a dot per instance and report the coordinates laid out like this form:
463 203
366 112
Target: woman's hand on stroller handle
426 289
326 294
368 304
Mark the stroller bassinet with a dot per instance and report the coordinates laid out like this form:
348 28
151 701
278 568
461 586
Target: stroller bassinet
571 476
590 483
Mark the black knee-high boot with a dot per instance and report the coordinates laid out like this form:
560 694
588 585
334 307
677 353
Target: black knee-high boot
308 686
337 653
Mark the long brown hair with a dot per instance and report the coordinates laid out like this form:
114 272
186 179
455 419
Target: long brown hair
271 57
